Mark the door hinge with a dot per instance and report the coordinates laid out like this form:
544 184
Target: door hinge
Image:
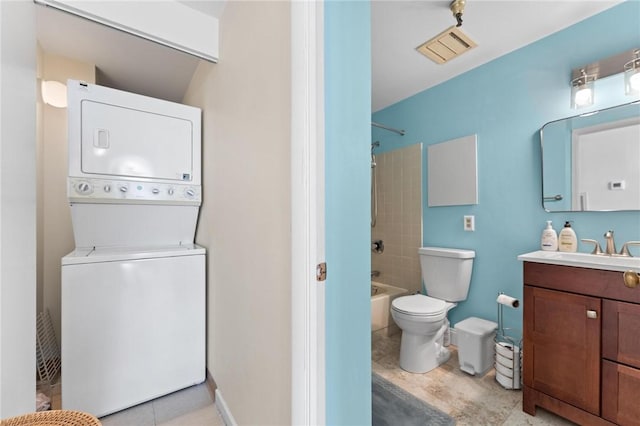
321 271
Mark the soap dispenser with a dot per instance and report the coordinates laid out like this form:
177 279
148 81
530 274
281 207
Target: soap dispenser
567 240
549 240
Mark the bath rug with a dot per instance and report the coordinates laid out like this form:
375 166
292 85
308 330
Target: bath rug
393 406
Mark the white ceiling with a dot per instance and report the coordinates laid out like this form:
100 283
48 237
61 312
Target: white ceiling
498 27
398 27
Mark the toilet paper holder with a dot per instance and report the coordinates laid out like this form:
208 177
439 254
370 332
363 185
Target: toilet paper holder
508 347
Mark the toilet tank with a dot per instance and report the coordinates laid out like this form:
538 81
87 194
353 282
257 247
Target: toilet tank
446 272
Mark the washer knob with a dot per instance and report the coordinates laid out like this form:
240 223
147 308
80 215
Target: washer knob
123 188
156 191
190 193
170 191
83 188
107 188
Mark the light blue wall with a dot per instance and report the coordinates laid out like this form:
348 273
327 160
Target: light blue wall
347 115
506 102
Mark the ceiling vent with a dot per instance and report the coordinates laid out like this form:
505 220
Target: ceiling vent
446 45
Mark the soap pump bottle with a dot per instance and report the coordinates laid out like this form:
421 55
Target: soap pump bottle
549 240
567 240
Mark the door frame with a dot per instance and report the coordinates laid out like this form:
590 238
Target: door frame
307 213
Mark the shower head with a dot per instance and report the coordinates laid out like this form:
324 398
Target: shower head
374 145
373 156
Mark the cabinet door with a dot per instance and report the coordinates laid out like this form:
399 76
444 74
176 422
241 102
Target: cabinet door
621 332
620 390
562 346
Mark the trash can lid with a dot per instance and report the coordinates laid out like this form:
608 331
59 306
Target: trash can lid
478 326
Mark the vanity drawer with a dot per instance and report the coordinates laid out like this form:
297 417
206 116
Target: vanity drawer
591 282
620 390
621 332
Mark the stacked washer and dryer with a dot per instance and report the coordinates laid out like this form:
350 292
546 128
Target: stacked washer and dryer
133 290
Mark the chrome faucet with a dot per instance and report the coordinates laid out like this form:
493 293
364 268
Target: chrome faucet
611 245
377 246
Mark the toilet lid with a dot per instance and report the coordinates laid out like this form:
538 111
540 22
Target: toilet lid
419 304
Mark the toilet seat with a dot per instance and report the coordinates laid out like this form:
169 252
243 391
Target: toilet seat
419 305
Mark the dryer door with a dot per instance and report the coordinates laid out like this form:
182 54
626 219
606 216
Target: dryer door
117 135
124 142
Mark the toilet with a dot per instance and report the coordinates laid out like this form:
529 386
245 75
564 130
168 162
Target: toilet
423 320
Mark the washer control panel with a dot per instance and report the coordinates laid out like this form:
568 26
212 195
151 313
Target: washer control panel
120 191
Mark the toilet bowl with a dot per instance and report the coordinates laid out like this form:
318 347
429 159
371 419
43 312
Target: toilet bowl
423 319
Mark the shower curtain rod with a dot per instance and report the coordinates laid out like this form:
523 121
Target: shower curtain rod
391 129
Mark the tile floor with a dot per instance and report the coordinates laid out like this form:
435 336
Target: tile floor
193 406
469 400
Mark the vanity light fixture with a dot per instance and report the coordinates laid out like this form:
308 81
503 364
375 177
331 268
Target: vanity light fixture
583 78
582 90
632 75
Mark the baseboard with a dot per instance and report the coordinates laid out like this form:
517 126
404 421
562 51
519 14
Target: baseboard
453 340
224 410
211 385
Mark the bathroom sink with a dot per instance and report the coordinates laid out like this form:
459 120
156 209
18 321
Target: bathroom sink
584 260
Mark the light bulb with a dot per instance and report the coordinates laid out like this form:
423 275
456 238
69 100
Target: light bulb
583 97
582 90
54 93
632 82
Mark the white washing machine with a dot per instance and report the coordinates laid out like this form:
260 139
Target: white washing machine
133 326
133 290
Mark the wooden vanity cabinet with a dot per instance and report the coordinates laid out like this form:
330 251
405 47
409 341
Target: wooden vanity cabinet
564 345
581 346
621 362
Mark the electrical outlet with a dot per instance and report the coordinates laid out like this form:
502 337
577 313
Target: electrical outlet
469 223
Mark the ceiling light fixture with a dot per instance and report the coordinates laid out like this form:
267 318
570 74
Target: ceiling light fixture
583 78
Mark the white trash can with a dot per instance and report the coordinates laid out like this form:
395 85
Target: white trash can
475 337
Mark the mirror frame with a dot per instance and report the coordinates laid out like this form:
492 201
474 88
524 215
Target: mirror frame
543 197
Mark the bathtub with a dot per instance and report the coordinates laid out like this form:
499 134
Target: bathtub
381 297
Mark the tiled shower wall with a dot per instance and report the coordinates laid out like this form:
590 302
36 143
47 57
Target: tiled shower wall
399 222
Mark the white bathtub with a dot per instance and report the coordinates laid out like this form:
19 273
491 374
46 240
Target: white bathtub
381 297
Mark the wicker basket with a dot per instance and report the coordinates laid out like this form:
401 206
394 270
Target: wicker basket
53 418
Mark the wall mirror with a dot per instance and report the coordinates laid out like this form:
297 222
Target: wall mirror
591 162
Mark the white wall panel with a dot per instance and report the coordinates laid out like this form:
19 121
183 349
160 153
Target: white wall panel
17 208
